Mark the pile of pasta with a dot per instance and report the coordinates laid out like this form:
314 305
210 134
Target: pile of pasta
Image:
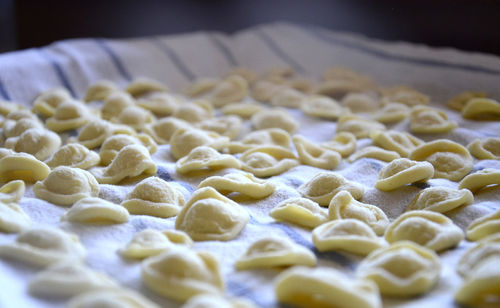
232 135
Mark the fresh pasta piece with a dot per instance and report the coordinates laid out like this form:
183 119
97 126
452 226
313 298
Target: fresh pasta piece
451 160
96 211
402 142
208 215
488 148
430 229
112 146
359 127
93 134
482 109
274 118
325 185
67 116
374 152
68 278
343 142
269 137
264 90
74 155
194 112
440 199
100 90
12 128
185 140
279 73
401 172
477 181
459 101
348 234
483 226
404 95
343 206
275 252
200 87
135 117
7 107
182 273
205 158
143 86
12 218
486 248
21 113
337 88
360 102
249 75
232 89
161 104
150 242
392 113
243 183
402 269
322 106
163 129
324 287
154 196
342 73
114 104
44 246
265 161
315 155
46 103
300 211
13 191
65 186
212 300
40 143
288 97
229 126
427 120
244 110
132 160
111 298
22 166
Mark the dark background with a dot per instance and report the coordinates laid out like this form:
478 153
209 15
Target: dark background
468 25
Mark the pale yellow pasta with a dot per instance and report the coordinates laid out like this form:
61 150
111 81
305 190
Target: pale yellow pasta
132 160
483 226
274 251
243 183
486 248
161 104
288 97
205 158
264 90
114 104
13 191
278 73
344 143
402 269
403 171
269 137
13 128
348 234
459 101
404 95
22 166
40 143
322 106
359 127
194 112
65 186
67 116
427 120
184 140
150 242
182 273
325 185
112 146
324 287
402 142
488 148
21 113
481 179
244 110
274 118
300 211
96 211
135 117
451 160
44 246
93 134
100 90
208 215
343 206
200 87
315 155
73 155
303 85
337 88
233 88
111 298
482 109
342 73
249 75
265 161
143 86
154 196
45 103
430 229
12 218
440 199
212 300
392 113
360 102
7 107
163 129
374 152
229 126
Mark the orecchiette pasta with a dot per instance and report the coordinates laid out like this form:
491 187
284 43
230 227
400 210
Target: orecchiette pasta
208 215
229 126
359 127
21 113
194 112
481 109
488 148
392 113
271 136
483 226
402 142
205 158
100 90
111 298
404 95
274 252
264 90
12 128
374 152
481 179
288 97
184 140
67 116
459 101
274 118
440 199
40 143
96 211
360 102
243 183
7 107
46 103
159 103
249 75
150 242
112 146
163 129
93 134
450 160
183 273
484 249
201 86
300 211
212 300
232 89
322 106
349 234
244 110
401 172
401 269
135 117
22 166
427 120
74 155
13 191
337 88
12 217
325 185
142 86
114 104
315 155
265 161
344 143
342 73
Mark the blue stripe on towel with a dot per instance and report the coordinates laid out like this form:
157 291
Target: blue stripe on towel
181 66
58 69
120 67
231 59
3 91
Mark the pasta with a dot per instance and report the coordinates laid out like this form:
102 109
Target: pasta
135 117
12 128
392 113
201 86
402 142
315 155
185 140
67 116
100 90
483 226
112 298
163 129
7 107
142 86
300 211
73 155
270 136
440 199
322 106
150 242
343 142
486 248
114 104
265 161
244 110
481 179
482 109
263 90
404 95
229 126
45 103
243 183
325 185
13 191
374 152
161 104
96 211
212 300
112 146
401 172
12 218
93 134
194 112
232 89
360 102
288 97
488 148
459 101
274 118
427 120
22 166
359 127
40 143
204 158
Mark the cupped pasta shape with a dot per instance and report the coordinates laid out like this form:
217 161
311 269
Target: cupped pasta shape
274 118
404 95
100 90
349 234
208 215
12 217
13 191
194 112
243 183
268 137
229 126
274 251
185 140
264 90
440 199
322 106
144 85
475 255
96 211
73 155
357 126
402 142
288 97
483 226
451 160
182 273
65 186
43 246
249 75
114 104
161 104
300 211
460 100
427 120
93 134
391 113
112 146
342 73
360 102
232 89
315 155
45 103
324 287
343 206
401 269
480 179
200 87
344 143
22 166
403 171
67 116
337 88
482 109
265 161
13 128
40 143
150 242
376 153
111 298
163 129
212 300
7 107
21 113
132 160
325 185
154 196
205 158
430 229
488 148
244 110
135 117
